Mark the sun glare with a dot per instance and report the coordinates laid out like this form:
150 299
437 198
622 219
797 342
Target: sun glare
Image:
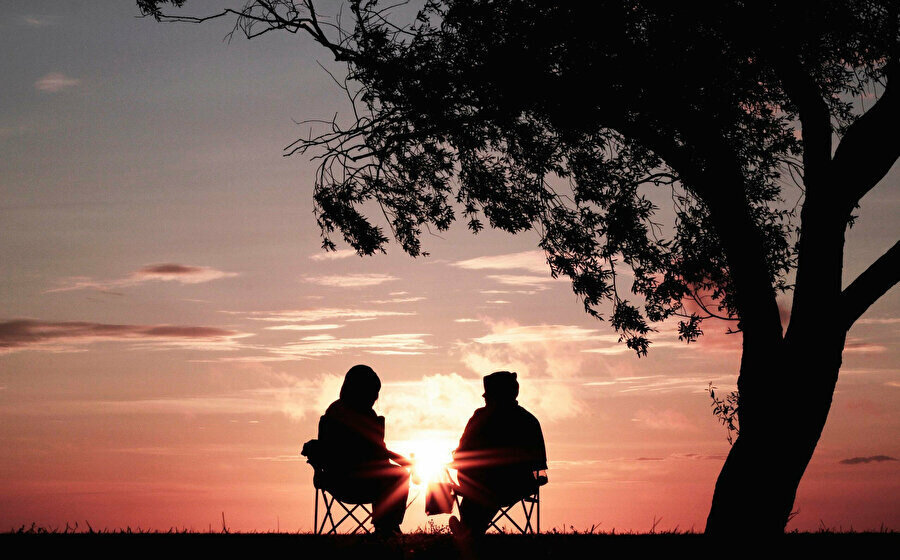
430 457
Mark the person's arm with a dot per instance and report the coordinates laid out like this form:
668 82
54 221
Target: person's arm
462 453
399 459
390 455
540 449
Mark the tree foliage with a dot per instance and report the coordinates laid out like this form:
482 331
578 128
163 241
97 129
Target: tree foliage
559 116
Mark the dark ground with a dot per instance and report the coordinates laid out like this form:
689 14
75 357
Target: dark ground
498 547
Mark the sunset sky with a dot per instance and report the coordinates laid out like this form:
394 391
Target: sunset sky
170 330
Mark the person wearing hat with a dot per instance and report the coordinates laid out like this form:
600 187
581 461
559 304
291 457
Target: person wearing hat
358 465
498 454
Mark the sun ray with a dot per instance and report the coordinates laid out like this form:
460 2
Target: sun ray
430 453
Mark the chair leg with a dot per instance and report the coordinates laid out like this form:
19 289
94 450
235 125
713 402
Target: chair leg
504 512
531 509
326 512
316 514
527 511
359 524
328 516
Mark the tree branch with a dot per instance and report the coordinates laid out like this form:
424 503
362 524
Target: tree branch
880 277
293 21
870 146
815 120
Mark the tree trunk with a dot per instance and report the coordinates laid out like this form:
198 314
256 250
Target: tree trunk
780 428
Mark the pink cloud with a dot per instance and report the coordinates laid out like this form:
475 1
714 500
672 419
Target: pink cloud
533 261
324 314
67 336
397 300
55 82
333 255
523 280
165 272
351 280
667 419
180 273
866 460
401 344
856 345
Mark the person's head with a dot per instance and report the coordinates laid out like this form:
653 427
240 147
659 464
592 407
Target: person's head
361 387
500 387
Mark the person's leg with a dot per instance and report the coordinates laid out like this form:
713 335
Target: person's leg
476 516
478 506
390 503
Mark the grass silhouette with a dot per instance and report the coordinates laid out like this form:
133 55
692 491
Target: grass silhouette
430 542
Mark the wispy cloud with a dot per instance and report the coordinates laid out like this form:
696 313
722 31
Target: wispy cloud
333 255
397 300
698 456
55 82
499 292
543 355
524 281
39 21
68 336
620 348
532 350
466 320
878 321
439 404
533 261
324 314
326 345
866 460
856 345
665 335
668 419
326 327
661 383
166 272
351 280
512 333
181 273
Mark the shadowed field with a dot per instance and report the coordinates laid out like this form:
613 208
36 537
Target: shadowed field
500 547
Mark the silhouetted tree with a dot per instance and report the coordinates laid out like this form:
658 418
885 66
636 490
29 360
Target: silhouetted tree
558 116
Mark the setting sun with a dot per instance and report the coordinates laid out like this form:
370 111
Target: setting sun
430 455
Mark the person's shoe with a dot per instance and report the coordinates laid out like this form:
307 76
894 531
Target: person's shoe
458 528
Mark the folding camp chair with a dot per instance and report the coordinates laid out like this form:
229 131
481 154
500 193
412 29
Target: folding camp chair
312 450
329 500
531 510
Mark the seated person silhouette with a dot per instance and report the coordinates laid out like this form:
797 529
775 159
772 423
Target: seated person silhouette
353 457
498 454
